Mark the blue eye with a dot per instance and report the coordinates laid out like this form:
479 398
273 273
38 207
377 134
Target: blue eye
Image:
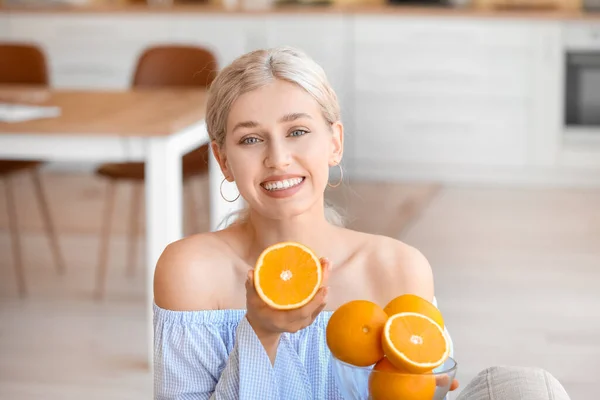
299 132
249 140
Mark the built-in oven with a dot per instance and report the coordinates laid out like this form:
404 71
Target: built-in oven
582 89
582 80
580 141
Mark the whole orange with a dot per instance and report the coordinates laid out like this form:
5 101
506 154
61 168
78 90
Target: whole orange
354 333
416 304
386 382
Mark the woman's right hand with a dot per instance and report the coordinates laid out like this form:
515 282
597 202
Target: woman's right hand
268 322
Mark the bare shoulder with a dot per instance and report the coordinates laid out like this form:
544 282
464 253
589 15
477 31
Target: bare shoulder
398 267
188 270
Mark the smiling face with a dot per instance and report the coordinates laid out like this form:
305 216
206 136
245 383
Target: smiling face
278 148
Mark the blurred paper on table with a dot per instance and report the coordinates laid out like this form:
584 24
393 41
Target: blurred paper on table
22 112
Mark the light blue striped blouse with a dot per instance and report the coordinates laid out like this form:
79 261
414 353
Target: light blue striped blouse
216 355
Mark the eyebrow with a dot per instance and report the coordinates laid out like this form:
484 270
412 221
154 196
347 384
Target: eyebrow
286 118
294 116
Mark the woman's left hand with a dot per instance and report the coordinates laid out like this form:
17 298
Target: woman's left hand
442 380
454 385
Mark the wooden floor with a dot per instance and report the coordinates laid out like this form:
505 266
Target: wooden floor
517 274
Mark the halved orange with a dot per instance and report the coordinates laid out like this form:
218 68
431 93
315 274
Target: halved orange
415 342
287 275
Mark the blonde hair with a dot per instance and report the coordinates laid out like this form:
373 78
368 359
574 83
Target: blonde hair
259 68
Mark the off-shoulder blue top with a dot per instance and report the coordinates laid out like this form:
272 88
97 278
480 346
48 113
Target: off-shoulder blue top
215 354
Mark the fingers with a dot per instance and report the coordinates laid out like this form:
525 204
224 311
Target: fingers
325 268
316 312
251 295
320 298
250 280
454 385
444 380
304 316
315 306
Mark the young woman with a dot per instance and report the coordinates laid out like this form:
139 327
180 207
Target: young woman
275 126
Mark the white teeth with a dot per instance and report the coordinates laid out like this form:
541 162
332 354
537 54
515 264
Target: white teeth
285 184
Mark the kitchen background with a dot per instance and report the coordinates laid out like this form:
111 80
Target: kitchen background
473 133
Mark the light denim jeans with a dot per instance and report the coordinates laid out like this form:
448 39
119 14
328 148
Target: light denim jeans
513 383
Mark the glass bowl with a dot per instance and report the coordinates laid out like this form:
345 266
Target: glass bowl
353 382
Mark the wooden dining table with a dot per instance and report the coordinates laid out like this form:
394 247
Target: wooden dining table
156 126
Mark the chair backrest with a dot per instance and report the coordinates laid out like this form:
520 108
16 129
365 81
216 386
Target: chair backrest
22 64
175 66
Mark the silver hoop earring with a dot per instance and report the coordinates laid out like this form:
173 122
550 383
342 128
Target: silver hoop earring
341 178
221 191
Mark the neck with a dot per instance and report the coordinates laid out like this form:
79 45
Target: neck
310 229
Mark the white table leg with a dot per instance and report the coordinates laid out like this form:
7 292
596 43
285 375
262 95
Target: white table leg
164 219
220 209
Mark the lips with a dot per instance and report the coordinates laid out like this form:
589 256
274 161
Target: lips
282 184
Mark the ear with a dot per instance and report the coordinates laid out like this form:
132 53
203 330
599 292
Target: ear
221 158
337 143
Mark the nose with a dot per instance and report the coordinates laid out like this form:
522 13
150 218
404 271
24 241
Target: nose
278 155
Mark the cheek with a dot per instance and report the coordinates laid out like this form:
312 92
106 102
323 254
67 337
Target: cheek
245 167
318 151
316 160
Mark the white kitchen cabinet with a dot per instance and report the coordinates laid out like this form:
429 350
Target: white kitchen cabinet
582 35
441 129
545 134
225 36
101 50
442 91
428 97
92 26
90 50
4 28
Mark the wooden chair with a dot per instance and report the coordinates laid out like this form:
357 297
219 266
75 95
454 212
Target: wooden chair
24 64
158 66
